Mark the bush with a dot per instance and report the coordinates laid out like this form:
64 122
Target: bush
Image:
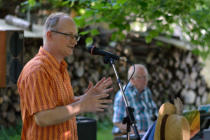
11 133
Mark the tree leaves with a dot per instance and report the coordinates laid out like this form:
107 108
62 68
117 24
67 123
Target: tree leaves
159 16
89 41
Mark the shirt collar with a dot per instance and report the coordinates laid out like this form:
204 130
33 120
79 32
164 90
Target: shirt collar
52 60
134 91
131 89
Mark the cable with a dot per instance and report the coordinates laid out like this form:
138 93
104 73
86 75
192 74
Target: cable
129 78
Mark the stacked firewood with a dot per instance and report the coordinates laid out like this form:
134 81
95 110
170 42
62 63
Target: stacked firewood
9 97
84 67
9 106
174 72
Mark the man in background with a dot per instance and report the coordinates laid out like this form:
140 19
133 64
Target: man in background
139 98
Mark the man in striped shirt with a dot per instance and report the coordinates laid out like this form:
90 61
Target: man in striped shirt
48 104
139 98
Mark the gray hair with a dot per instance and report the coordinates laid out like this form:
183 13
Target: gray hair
51 22
137 66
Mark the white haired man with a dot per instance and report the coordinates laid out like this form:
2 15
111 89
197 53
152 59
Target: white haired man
139 98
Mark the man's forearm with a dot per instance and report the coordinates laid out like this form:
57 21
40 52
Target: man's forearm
121 126
57 115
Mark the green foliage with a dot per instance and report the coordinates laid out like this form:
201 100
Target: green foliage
104 124
89 41
105 134
104 130
1 3
11 133
31 3
159 16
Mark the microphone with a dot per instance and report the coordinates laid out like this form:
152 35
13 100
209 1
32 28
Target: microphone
96 51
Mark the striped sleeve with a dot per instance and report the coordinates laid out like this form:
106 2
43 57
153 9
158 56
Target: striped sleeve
39 94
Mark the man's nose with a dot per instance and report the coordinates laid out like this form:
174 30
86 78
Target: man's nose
74 41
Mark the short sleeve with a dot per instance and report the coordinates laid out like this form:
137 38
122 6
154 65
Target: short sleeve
37 93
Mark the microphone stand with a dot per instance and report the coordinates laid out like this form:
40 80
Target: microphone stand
129 119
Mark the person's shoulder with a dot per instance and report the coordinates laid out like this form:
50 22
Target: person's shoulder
118 95
35 65
148 90
130 90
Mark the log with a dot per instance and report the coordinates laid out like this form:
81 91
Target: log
12 20
11 116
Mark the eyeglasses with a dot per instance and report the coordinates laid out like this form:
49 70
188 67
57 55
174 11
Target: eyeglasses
141 77
76 37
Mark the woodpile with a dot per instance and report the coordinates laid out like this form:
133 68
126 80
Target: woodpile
9 106
84 67
174 72
9 97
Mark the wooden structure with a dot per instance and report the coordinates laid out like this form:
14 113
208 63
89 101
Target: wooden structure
174 71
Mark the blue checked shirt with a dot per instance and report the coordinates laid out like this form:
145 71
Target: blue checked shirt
144 107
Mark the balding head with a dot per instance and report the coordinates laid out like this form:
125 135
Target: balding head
52 21
137 67
60 35
140 77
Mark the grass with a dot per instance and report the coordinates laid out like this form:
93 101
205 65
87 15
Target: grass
104 129
104 132
11 133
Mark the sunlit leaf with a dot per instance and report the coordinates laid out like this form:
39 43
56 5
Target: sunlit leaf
32 2
94 32
121 1
84 32
192 16
89 41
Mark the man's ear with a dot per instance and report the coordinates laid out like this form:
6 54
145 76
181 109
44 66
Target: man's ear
48 34
132 79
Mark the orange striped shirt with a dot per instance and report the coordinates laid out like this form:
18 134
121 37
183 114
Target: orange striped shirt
45 84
